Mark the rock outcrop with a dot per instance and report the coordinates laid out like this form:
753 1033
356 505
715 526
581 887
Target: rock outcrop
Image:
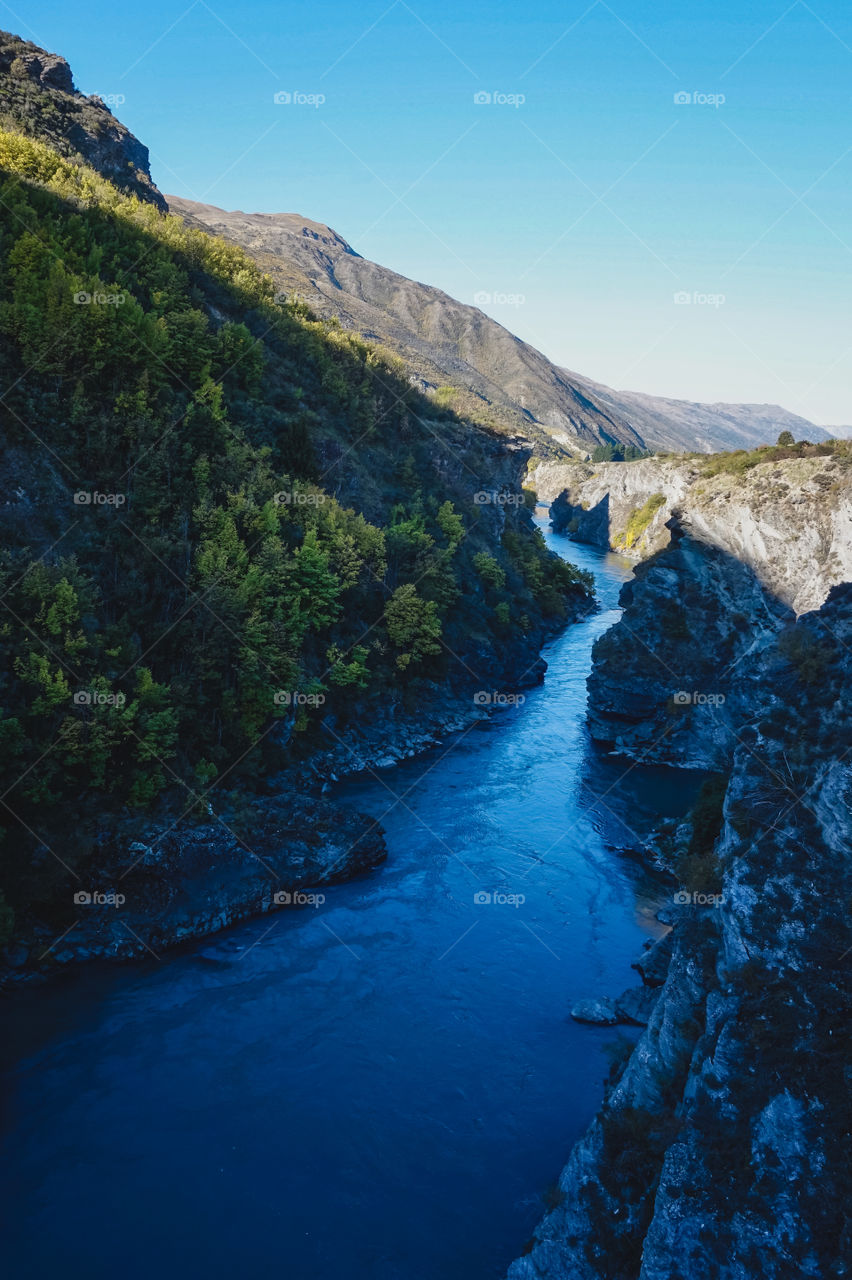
38 98
146 886
672 682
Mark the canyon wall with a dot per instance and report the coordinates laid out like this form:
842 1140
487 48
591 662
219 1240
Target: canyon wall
721 1149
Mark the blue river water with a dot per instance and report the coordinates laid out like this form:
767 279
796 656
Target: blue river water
379 1088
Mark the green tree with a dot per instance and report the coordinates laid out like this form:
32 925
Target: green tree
413 625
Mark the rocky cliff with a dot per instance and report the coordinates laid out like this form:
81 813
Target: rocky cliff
722 1147
734 558
38 98
720 1151
784 513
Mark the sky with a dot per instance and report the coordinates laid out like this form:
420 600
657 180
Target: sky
655 194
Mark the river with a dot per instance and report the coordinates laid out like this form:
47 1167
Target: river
382 1087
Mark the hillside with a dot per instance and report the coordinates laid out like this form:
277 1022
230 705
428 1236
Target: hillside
234 536
454 352
686 425
460 356
38 99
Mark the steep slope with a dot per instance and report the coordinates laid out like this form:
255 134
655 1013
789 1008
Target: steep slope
233 536
686 425
456 351
38 98
445 344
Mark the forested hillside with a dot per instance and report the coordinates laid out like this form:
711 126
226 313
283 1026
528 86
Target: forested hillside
224 521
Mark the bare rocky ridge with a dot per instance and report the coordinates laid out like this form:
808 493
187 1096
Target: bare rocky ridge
442 341
486 370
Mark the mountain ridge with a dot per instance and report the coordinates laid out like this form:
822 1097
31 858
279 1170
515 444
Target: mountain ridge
489 369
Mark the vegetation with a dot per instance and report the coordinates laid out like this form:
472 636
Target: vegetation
741 460
183 563
619 453
638 522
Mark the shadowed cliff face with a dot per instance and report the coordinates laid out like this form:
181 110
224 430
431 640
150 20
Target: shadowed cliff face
722 1148
674 678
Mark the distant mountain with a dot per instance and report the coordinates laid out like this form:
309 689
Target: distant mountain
839 433
460 356
685 424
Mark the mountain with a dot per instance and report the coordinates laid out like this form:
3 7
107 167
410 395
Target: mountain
685 425
454 352
458 355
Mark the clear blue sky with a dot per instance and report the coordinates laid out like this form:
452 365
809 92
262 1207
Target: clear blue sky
595 201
